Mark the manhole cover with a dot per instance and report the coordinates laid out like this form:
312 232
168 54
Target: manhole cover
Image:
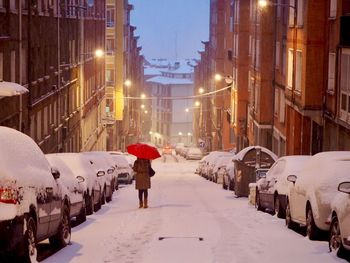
169 237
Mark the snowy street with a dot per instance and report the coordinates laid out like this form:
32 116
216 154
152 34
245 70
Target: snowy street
189 220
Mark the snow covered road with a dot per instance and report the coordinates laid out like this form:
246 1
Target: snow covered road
189 220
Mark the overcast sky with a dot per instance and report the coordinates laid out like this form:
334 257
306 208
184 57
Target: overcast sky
170 28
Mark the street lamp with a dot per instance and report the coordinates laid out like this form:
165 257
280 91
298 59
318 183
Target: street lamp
201 90
197 103
99 53
143 96
187 109
218 77
142 106
127 83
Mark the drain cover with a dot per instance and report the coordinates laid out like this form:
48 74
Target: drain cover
169 237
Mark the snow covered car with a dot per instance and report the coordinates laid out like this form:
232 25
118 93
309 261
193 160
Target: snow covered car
339 238
75 185
167 150
272 190
34 205
101 161
80 165
124 171
313 189
193 153
212 159
220 167
178 147
228 180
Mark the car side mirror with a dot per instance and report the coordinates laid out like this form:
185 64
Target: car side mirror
292 178
344 187
110 170
80 179
55 173
100 173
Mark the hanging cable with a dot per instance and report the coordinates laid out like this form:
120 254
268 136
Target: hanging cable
180 97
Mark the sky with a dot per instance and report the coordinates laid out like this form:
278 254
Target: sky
171 28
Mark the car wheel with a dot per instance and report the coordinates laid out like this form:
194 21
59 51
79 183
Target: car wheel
334 240
257 201
289 221
89 201
278 208
103 197
30 249
311 228
98 205
63 236
82 215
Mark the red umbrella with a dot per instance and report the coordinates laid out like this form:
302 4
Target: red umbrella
143 151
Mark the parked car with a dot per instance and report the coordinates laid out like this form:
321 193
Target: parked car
76 187
313 189
178 147
100 161
193 153
201 165
340 221
81 166
220 167
124 171
212 160
167 150
34 205
229 177
272 190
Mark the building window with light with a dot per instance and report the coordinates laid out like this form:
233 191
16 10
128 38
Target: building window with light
300 13
290 68
291 12
345 85
331 72
298 70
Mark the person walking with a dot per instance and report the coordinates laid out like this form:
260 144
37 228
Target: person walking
142 168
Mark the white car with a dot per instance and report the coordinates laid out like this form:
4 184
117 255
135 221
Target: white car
339 238
313 189
228 181
80 165
220 168
272 190
124 171
34 205
193 153
76 187
212 159
101 161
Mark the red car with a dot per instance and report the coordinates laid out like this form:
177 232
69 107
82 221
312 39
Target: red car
167 150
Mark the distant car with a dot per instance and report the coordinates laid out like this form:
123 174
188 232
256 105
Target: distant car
220 168
194 153
340 220
313 189
75 185
272 190
178 147
34 205
167 150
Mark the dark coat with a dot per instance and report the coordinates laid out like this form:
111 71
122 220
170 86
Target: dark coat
141 167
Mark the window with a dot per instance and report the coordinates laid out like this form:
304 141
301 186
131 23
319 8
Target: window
291 12
284 58
38 125
345 85
23 66
333 9
331 72
290 69
1 3
298 70
258 59
109 75
282 110
276 101
13 66
45 122
300 13
110 16
110 46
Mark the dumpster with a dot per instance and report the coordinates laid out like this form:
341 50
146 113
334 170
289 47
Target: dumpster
247 161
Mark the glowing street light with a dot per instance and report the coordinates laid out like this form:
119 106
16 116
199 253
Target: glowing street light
180 133
262 3
150 133
200 90
218 77
142 106
143 96
197 103
187 109
189 134
127 83
99 53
